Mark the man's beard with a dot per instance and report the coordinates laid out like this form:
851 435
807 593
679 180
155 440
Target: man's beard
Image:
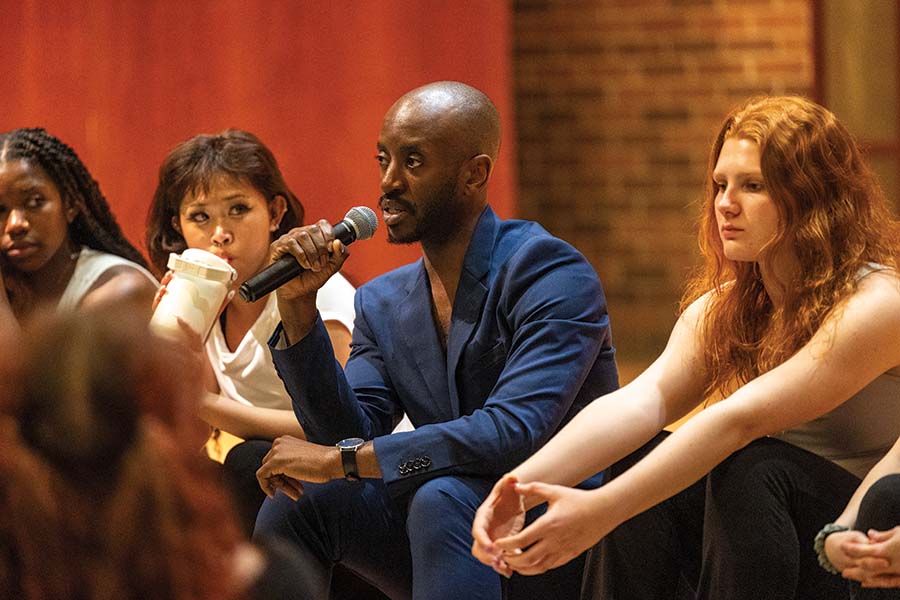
437 217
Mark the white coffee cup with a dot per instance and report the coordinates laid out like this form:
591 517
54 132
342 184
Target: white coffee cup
200 281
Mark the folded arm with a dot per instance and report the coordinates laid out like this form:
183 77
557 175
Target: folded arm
865 555
849 351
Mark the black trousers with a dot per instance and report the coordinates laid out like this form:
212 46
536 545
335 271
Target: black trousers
745 531
880 510
241 464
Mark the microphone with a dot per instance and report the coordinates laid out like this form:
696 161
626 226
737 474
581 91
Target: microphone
359 224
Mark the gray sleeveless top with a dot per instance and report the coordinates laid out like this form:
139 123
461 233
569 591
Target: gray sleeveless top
859 432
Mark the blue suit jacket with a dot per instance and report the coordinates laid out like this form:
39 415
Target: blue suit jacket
529 346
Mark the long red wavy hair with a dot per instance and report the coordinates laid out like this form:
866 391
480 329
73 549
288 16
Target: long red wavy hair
833 215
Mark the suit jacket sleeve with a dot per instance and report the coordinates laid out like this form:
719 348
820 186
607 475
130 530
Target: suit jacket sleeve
327 407
550 327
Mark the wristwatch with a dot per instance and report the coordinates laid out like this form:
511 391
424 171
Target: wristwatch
348 448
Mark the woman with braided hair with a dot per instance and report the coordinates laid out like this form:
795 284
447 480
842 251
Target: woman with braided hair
59 242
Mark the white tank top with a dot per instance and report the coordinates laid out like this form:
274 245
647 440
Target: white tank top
91 265
247 374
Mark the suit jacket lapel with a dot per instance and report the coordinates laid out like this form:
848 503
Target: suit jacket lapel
470 295
413 313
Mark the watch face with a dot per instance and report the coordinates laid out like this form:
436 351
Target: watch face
350 443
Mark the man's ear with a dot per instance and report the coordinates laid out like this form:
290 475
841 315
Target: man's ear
477 173
277 209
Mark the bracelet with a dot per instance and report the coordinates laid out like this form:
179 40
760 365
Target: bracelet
819 546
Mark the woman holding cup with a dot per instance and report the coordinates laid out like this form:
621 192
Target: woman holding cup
225 194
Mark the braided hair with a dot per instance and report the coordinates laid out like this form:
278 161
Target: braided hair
94 226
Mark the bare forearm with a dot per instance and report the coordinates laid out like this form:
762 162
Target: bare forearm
614 425
608 429
340 338
367 462
683 458
248 421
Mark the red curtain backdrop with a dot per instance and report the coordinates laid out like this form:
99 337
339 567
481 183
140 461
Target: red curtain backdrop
124 81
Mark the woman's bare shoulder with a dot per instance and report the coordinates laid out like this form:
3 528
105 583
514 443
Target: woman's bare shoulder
121 283
879 286
696 310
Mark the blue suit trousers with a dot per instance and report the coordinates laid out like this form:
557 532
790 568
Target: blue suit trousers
416 547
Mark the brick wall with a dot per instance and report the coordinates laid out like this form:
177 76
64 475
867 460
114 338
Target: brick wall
617 103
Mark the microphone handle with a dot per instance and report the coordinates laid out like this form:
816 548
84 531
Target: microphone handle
285 268
274 276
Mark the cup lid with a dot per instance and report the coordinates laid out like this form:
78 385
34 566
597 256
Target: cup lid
201 263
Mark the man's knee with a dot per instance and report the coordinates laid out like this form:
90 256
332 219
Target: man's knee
274 517
445 503
303 519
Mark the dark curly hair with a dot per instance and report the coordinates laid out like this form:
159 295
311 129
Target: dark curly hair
193 165
94 226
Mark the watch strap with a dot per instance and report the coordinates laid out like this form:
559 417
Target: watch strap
348 458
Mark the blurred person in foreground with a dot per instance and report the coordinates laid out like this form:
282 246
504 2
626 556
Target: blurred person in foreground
103 493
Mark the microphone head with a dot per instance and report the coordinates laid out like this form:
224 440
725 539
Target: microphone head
363 221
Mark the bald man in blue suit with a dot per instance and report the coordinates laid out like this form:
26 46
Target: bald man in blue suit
489 343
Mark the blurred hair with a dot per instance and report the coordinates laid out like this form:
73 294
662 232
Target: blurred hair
103 493
833 216
193 166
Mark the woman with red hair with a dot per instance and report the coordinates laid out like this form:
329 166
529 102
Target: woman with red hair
789 336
